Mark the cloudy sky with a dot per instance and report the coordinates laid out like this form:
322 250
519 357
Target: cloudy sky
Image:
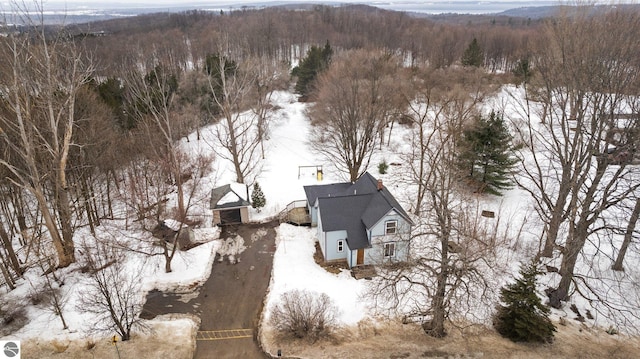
428 6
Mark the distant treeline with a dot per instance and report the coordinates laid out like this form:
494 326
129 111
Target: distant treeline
285 34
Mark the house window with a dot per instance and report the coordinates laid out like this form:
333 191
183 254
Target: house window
340 245
390 227
389 249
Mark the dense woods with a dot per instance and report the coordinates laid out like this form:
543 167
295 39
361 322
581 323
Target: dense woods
82 115
285 35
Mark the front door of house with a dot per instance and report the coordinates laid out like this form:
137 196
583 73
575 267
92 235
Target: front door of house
360 257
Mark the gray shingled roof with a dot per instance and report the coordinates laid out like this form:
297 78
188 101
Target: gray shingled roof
219 192
354 207
325 190
343 213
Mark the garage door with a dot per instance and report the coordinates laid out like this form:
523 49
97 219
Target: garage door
230 216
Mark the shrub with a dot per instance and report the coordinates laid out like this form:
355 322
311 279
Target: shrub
304 315
38 296
383 167
12 318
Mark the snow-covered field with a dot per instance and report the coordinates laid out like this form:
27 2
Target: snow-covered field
282 180
294 268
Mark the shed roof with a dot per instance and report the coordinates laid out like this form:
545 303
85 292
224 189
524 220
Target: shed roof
226 197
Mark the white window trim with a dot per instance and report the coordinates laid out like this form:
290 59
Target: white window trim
384 249
339 244
395 227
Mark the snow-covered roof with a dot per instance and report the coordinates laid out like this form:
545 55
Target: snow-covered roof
229 196
173 224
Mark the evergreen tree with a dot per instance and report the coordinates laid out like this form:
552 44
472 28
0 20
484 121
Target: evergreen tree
473 55
257 197
112 93
163 83
522 70
316 61
524 318
215 66
486 153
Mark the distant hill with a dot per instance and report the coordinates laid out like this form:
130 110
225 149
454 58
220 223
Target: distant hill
71 16
538 12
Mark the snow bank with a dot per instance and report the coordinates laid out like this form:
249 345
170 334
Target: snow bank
295 268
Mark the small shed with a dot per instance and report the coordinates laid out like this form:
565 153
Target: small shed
168 229
230 204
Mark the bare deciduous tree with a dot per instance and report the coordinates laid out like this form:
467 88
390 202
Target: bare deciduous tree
451 245
356 96
147 192
269 77
167 167
628 236
575 168
231 86
156 108
42 78
112 292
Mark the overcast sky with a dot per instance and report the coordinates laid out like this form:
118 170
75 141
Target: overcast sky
428 6
100 3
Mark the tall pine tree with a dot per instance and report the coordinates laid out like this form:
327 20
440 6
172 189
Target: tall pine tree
522 70
473 55
487 154
523 317
316 61
215 66
257 197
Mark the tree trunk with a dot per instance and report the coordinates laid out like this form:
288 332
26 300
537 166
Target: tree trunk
168 256
64 212
557 218
435 327
576 239
233 148
552 234
94 200
182 212
109 206
13 258
572 249
5 273
18 208
421 170
628 235
353 174
64 259
86 199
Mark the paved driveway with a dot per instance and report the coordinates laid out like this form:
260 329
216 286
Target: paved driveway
230 301
234 295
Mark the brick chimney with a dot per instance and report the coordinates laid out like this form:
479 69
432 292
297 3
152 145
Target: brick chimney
380 185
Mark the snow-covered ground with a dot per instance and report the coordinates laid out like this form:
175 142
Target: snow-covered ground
294 268
190 269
